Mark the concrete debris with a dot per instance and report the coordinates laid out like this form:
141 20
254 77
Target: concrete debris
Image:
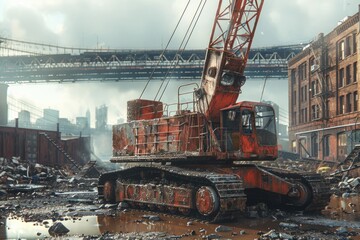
259 210
288 225
273 234
122 206
58 229
17 175
354 182
152 217
223 228
285 236
293 165
349 185
213 236
341 231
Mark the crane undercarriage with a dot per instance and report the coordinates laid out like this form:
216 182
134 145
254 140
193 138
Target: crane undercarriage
213 193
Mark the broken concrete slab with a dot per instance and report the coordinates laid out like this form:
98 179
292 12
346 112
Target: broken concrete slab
24 187
58 229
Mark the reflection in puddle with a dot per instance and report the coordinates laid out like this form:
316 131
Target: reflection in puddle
132 221
17 228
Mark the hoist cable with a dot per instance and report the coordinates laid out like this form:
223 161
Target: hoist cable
187 41
167 45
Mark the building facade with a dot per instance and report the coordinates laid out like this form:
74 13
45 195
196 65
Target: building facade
324 117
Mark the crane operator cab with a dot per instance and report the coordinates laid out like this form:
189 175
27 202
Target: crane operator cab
249 131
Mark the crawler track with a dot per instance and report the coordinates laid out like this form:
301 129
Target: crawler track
202 194
317 186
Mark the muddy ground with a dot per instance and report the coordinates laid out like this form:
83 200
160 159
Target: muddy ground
36 214
38 202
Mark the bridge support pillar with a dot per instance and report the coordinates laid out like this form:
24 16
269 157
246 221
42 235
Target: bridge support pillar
3 104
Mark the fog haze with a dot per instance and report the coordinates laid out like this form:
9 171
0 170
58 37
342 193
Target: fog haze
145 24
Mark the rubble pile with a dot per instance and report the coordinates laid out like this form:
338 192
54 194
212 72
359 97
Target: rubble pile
349 185
346 198
17 171
295 234
20 176
293 165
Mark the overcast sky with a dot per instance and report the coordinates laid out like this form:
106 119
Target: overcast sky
149 23
144 24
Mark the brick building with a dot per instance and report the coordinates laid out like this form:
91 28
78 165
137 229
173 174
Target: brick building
323 94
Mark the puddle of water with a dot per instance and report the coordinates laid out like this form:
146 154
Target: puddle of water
133 221
17 228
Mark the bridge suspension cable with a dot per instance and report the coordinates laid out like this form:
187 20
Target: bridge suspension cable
14 47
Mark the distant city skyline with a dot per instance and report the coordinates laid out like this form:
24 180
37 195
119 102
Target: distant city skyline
51 117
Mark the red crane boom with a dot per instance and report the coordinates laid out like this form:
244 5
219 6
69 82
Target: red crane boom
227 54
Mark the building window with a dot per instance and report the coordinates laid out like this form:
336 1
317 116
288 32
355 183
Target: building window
342 50
314 88
341 77
355 101
354 43
341 105
348 45
326 146
348 102
314 145
293 76
348 74
355 137
355 71
303 117
327 83
327 110
293 146
341 146
302 71
294 118
294 98
342 139
302 94
315 111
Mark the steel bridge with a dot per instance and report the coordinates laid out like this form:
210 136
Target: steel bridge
61 64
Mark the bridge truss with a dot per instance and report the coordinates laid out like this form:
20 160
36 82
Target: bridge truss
27 62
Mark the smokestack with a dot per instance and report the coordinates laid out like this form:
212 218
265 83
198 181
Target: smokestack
3 105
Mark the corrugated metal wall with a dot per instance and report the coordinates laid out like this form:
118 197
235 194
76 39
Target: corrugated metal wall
32 145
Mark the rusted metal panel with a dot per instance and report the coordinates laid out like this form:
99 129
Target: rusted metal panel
31 145
154 194
77 148
144 109
175 134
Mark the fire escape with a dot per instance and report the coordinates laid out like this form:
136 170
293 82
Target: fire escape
321 87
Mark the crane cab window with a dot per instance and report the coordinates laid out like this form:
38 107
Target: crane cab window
265 123
246 121
232 119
